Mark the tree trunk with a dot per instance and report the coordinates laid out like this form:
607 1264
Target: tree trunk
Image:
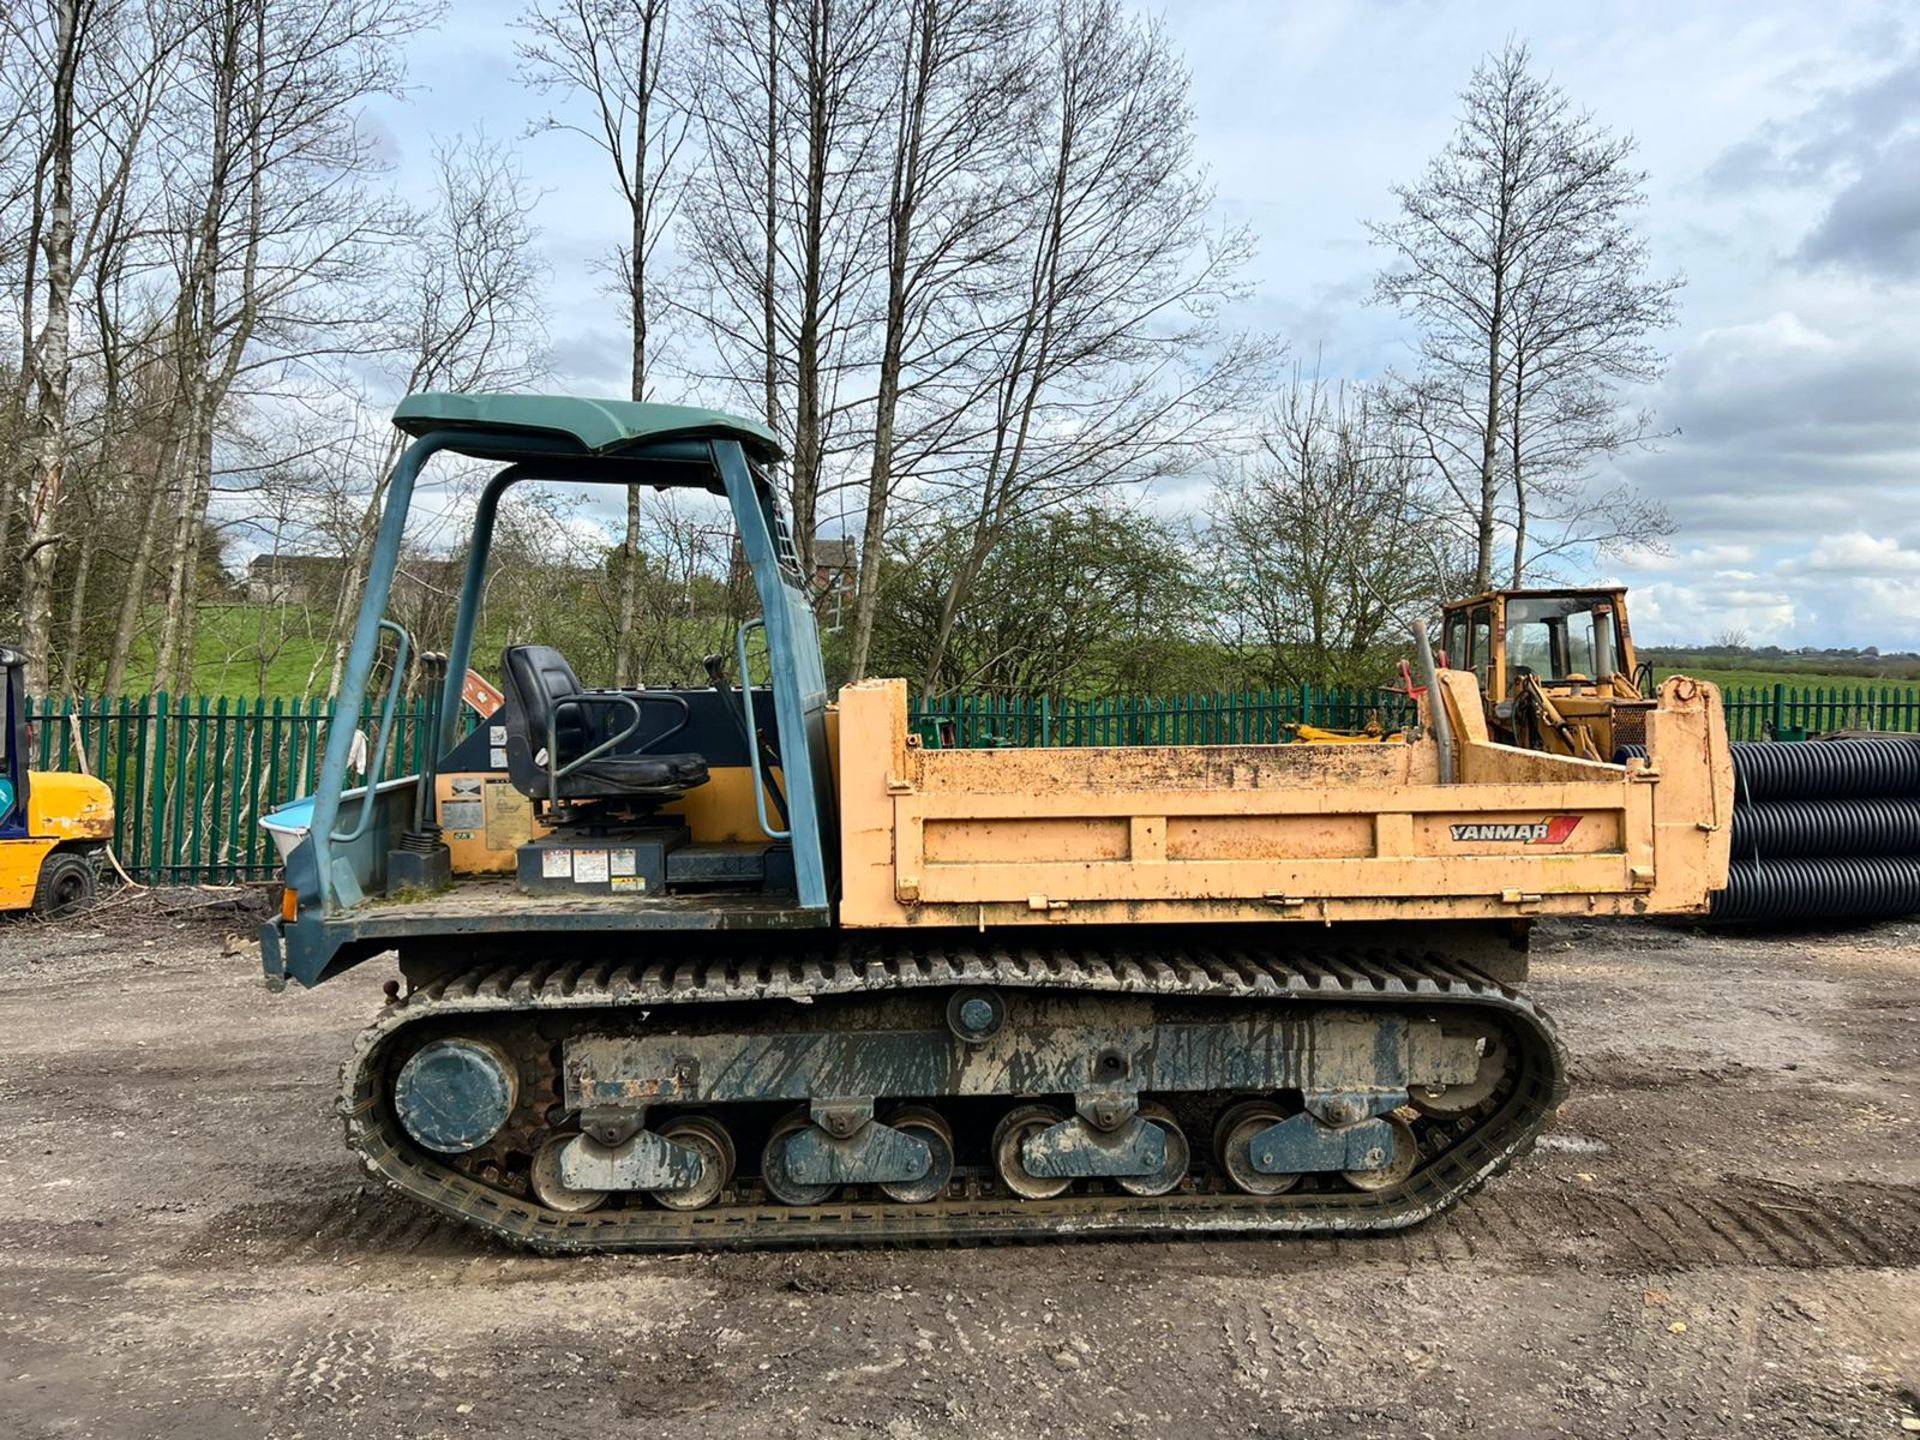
1490 441
625 646
133 598
906 189
770 259
53 365
1515 447
807 439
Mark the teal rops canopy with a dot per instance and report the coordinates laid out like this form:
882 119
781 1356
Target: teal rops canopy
597 427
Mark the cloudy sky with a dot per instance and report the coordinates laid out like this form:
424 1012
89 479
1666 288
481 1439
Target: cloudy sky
1782 142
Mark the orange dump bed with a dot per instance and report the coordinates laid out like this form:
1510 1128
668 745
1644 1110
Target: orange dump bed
1262 832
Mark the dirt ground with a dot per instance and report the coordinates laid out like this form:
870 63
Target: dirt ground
1721 1235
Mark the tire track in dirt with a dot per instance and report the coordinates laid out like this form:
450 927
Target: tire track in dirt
1741 1222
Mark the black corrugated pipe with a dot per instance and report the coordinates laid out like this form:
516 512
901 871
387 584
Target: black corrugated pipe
1787 829
1765 770
1856 887
1826 769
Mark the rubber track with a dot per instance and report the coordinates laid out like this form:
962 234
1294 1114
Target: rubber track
857 966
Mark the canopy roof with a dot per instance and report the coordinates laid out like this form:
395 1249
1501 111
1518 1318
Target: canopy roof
597 427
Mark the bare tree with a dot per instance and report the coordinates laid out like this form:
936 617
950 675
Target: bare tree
277 228
52 361
960 72
1516 257
1322 551
783 230
467 318
615 55
1100 360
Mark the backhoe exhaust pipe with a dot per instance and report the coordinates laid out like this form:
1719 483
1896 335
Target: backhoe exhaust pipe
1436 702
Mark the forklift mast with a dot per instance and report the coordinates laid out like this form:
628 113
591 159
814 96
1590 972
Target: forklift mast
13 742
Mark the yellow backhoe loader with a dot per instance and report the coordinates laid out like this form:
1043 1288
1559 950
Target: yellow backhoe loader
1556 668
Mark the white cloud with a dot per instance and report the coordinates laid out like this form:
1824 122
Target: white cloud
1858 554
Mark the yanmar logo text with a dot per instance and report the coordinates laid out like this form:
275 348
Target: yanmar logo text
1554 830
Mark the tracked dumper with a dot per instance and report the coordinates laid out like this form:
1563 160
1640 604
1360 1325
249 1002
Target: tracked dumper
735 966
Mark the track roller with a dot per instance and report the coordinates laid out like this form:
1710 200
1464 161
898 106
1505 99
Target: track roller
773 1165
1233 1135
1170 1175
709 1137
1406 1154
929 1127
553 1192
1009 1135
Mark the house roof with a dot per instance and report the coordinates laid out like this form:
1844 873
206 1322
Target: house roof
597 427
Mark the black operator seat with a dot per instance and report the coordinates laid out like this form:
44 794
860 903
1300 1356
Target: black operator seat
554 726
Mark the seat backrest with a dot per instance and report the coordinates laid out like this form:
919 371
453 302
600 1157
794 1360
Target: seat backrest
538 677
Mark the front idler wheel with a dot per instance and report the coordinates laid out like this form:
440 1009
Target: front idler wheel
1447 1101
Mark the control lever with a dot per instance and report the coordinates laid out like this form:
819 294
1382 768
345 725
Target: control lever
716 668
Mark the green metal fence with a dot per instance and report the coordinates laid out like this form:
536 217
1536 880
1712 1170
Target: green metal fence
1264 717
1254 717
191 776
1792 712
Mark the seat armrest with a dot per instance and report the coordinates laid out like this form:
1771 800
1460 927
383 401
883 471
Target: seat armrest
586 699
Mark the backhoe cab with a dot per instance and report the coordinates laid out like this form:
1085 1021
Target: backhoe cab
1556 668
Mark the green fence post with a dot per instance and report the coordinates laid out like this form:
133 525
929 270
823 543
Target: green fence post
257 727
157 788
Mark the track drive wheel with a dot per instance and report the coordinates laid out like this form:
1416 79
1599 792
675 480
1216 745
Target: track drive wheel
1406 1154
550 1190
1009 1135
709 1137
928 1127
773 1165
1169 1176
1233 1136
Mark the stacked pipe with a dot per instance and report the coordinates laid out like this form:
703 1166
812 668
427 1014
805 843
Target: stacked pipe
1822 830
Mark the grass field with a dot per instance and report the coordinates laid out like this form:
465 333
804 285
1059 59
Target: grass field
246 650
1792 679
249 650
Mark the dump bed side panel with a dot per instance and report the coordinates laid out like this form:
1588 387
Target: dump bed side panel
1238 833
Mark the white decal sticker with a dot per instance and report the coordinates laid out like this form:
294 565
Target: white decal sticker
620 862
556 864
497 758
496 735
628 882
463 814
589 867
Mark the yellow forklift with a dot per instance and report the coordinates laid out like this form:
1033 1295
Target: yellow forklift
1556 669
54 827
